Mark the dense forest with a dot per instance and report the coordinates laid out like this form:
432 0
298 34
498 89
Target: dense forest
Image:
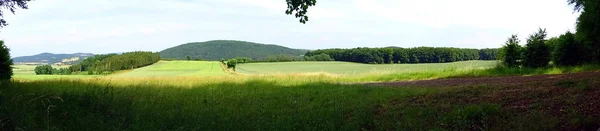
227 49
112 62
407 55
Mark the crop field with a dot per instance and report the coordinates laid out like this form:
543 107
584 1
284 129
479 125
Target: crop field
348 68
177 68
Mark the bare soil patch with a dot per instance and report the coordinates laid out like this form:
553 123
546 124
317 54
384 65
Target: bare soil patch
504 80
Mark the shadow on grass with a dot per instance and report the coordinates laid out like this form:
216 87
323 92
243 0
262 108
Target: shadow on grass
252 105
266 105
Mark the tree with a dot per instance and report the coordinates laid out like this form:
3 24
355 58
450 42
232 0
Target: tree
588 26
567 50
537 52
5 62
300 8
320 57
43 70
188 58
11 5
231 64
510 54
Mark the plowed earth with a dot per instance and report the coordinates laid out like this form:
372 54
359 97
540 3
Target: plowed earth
573 99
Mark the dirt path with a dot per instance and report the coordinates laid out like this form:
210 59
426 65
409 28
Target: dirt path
505 80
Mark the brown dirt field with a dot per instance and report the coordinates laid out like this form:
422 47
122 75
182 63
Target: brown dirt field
504 80
567 97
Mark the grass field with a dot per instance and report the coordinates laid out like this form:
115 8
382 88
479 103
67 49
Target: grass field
196 96
262 104
177 68
348 68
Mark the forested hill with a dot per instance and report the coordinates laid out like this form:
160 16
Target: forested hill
49 58
226 49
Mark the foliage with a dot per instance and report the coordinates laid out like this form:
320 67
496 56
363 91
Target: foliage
511 52
89 63
280 58
12 6
232 63
61 71
227 49
537 52
6 71
112 62
319 57
567 50
406 55
243 59
588 26
43 70
300 7
488 54
49 70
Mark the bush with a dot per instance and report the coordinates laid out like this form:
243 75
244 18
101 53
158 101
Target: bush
5 62
537 52
567 50
510 54
43 70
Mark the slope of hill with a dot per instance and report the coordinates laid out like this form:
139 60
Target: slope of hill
226 49
49 58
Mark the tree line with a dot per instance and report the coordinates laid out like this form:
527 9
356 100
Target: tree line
568 49
407 55
99 64
48 70
564 50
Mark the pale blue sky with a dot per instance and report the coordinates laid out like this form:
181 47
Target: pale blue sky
105 26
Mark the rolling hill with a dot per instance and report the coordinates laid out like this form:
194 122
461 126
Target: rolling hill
226 49
49 58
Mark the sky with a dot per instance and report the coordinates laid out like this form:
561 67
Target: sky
108 26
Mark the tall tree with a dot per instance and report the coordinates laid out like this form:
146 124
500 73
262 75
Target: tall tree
537 52
567 50
588 25
5 62
510 53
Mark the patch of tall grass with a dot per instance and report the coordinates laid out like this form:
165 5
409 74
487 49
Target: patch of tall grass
248 105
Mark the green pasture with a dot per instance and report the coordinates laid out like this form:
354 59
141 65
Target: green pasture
177 68
349 68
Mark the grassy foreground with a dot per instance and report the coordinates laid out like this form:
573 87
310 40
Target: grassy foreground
268 105
301 102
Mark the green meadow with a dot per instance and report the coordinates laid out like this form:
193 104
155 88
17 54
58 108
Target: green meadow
349 68
177 68
199 95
